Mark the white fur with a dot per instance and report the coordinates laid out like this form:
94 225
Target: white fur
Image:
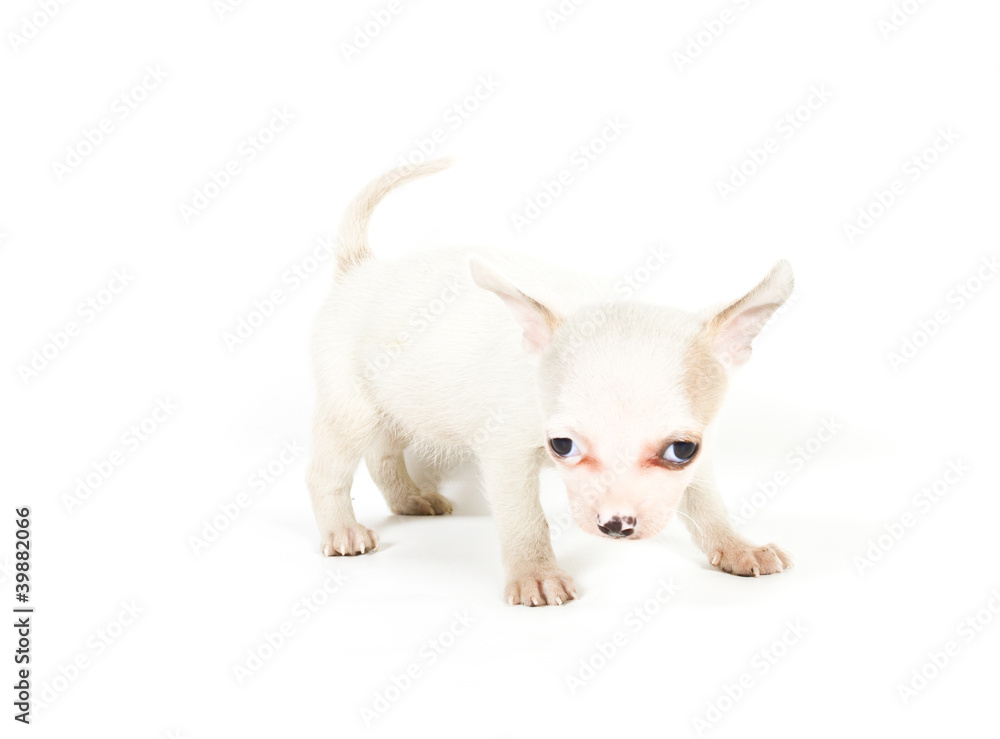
493 353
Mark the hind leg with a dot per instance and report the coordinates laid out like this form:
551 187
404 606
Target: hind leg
339 438
388 469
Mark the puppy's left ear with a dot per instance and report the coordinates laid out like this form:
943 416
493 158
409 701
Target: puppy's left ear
733 329
537 321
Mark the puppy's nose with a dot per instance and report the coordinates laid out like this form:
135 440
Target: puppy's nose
617 527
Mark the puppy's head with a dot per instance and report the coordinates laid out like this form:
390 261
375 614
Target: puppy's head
627 392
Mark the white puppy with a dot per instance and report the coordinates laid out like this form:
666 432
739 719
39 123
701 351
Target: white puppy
515 360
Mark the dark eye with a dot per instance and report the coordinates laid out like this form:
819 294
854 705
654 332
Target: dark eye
563 447
680 452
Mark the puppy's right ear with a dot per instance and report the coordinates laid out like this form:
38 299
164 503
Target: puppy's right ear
537 321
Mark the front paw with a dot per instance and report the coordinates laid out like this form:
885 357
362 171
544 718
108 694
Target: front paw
548 587
346 541
747 560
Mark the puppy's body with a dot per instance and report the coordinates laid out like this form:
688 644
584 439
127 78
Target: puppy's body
504 356
435 353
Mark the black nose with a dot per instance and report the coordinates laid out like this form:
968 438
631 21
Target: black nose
618 527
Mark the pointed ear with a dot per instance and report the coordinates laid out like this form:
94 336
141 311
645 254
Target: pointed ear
537 321
733 329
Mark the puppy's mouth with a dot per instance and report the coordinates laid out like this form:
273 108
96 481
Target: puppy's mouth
629 529
619 537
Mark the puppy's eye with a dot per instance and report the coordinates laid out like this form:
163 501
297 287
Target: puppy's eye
680 452
564 448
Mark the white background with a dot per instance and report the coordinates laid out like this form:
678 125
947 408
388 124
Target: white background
171 670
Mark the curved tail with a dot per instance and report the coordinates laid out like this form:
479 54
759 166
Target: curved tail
352 247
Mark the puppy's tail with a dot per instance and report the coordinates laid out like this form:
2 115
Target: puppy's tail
353 247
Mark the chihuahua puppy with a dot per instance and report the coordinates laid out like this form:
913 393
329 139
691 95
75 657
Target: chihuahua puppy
519 362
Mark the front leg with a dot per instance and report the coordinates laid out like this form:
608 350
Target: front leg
511 487
708 521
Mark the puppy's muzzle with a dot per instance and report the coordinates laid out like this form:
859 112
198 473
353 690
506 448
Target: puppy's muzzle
616 527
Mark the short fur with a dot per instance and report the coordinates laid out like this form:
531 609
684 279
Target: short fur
493 353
